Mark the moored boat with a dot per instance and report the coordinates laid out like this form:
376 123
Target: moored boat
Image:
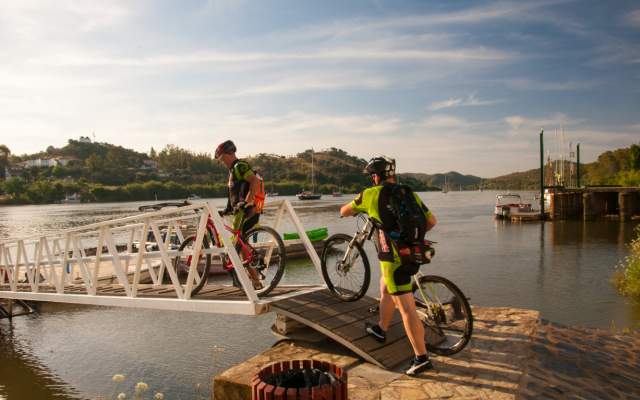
71 199
307 195
310 194
510 205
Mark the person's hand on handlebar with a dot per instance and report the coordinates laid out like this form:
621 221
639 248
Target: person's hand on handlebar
242 205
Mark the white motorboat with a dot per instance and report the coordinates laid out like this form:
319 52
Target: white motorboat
511 205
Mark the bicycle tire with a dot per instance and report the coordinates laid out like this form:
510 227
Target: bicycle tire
278 255
181 266
439 327
331 246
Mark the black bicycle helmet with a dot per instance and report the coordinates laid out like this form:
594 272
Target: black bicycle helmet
226 147
382 166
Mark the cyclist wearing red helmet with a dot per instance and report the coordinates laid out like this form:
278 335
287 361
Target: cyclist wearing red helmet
243 186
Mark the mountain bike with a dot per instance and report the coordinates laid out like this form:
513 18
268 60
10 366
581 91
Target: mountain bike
261 249
441 305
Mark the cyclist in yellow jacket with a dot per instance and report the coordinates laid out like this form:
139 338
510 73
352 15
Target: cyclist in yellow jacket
395 283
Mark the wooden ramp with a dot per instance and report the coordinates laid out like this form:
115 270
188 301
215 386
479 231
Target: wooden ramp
344 322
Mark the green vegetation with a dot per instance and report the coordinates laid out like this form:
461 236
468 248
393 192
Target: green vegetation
103 172
627 277
619 167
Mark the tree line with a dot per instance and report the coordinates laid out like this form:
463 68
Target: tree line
103 172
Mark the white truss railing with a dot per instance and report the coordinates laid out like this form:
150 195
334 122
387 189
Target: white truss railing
78 255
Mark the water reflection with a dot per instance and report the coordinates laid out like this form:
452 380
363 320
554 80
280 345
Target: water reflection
22 376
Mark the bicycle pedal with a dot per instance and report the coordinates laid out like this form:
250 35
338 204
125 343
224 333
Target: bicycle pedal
374 309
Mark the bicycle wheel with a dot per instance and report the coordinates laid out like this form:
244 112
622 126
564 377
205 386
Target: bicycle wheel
183 261
346 275
267 256
445 313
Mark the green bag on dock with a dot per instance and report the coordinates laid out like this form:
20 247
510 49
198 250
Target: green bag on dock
314 234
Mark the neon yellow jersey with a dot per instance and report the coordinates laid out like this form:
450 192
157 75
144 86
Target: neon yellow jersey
396 280
367 202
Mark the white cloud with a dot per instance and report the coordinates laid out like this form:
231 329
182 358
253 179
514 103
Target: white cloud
35 19
316 81
443 123
519 124
633 18
339 53
469 101
529 84
615 51
497 10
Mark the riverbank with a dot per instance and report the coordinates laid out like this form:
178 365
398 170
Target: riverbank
513 354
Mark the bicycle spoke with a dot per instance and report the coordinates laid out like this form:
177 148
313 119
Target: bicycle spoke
451 319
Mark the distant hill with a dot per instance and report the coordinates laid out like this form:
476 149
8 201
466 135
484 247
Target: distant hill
613 167
523 180
106 172
454 179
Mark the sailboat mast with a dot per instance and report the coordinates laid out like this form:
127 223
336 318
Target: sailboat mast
313 179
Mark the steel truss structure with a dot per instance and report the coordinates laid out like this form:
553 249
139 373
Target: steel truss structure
43 268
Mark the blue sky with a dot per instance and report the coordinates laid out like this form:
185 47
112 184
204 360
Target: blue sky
440 86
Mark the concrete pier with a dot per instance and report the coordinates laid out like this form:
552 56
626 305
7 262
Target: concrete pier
513 354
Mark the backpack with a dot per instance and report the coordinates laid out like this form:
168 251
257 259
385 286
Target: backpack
404 221
258 198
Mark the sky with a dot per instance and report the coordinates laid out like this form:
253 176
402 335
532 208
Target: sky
439 86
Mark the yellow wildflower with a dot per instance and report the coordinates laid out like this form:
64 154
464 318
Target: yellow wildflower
141 387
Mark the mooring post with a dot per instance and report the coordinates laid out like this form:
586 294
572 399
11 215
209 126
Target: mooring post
10 309
624 205
578 166
542 173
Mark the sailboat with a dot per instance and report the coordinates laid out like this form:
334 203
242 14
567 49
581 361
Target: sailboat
310 195
445 187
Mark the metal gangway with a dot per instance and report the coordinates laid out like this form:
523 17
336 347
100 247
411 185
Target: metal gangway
65 267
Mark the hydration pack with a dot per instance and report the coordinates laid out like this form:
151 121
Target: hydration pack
402 217
403 220
258 198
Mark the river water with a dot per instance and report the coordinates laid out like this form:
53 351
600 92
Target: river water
562 269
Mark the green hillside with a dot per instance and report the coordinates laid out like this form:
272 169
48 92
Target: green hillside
614 167
453 179
105 172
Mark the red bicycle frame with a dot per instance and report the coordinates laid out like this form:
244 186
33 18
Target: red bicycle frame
246 253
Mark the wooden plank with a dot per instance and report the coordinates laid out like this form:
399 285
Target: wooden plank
394 353
345 323
394 333
358 314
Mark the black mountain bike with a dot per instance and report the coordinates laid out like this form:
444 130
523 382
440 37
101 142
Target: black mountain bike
441 305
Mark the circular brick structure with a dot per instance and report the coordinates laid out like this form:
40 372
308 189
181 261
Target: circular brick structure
262 387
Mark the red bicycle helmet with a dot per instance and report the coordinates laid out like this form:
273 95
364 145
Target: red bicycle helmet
226 147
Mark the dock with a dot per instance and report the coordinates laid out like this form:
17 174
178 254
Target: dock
513 354
526 216
589 203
